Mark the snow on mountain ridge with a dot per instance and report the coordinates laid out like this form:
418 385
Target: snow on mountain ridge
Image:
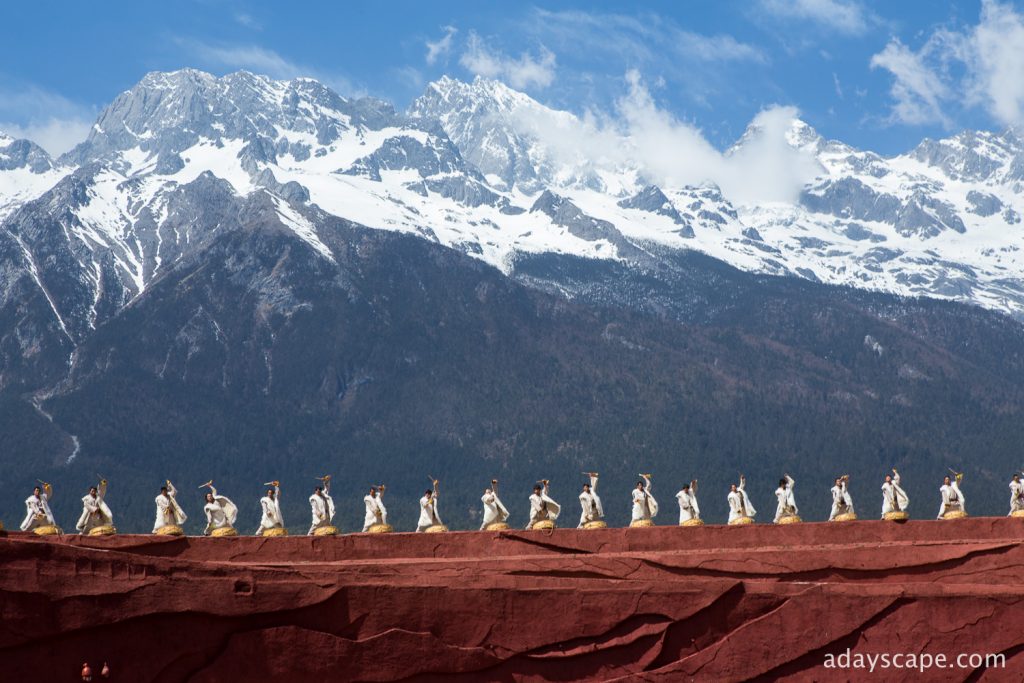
465 167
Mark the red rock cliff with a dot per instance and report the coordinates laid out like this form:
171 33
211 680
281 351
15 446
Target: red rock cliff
663 604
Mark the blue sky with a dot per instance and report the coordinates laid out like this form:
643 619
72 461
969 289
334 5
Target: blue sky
876 75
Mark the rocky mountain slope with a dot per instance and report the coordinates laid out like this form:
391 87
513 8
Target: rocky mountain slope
238 275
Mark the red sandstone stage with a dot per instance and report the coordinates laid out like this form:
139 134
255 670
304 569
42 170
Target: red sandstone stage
664 604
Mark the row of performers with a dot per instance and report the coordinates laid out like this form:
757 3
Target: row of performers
221 513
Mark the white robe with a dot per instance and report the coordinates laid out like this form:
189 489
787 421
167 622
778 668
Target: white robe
271 512
542 507
644 504
1016 496
590 505
220 514
787 502
374 511
322 508
95 512
739 503
494 511
952 498
428 513
37 510
842 503
894 498
688 508
168 512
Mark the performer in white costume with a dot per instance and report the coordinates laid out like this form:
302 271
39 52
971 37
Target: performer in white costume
739 503
321 506
375 512
37 508
542 507
95 512
380 504
645 507
1016 496
787 501
894 498
494 511
428 509
687 497
842 503
168 512
221 513
590 503
270 509
952 497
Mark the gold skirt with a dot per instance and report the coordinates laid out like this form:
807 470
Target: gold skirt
274 532
845 517
896 516
1017 513
741 520
47 530
789 519
596 524
641 523
170 530
497 526
224 532
693 521
435 529
325 531
543 525
102 530
954 514
380 529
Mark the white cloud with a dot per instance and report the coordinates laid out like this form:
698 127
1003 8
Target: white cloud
521 73
978 66
54 135
263 61
441 47
997 62
645 39
52 121
672 153
918 90
844 16
248 21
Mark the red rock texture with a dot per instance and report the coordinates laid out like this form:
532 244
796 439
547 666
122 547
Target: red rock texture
662 604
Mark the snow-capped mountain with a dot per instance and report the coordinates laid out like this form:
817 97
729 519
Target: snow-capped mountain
241 271
26 171
467 168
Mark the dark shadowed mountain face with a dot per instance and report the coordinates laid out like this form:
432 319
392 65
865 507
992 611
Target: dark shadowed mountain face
257 357
185 300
